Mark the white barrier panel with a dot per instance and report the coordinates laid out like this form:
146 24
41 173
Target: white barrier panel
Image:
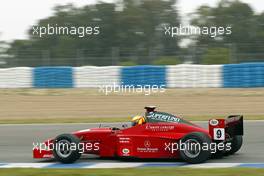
187 75
17 77
91 76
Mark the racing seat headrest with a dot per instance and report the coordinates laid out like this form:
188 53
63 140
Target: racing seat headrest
150 108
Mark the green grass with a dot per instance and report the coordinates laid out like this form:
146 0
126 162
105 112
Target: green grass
107 119
134 171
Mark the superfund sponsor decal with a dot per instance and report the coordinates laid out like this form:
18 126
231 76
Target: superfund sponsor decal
156 116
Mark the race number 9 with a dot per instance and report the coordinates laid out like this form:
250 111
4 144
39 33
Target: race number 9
219 134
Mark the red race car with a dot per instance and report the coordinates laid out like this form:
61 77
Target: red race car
155 135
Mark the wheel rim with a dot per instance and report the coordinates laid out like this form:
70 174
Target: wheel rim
192 149
64 148
228 138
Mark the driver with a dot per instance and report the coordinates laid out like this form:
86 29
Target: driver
138 120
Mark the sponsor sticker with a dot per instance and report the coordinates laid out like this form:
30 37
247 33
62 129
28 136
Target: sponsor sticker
147 143
164 117
125 151
214 122
124 140
153 127
147 150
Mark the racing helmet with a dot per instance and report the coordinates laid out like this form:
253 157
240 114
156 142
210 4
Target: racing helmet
138 120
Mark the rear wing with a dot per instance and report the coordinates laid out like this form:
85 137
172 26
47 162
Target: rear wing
219 129
234 125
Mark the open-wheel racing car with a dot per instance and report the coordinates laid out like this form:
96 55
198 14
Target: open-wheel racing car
157 135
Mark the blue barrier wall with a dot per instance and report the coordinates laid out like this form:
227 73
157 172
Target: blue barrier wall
143 75
243 75
228 76
53 77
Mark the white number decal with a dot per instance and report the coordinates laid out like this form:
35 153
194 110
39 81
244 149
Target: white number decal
219 134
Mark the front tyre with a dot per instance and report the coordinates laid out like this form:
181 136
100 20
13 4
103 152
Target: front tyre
66 148
193 151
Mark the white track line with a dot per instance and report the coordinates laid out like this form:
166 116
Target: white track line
114 165
213 165
107 165
24 165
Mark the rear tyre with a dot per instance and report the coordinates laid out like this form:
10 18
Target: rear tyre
66 148
195 155
236 144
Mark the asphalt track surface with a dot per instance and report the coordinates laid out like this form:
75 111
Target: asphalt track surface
16 142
